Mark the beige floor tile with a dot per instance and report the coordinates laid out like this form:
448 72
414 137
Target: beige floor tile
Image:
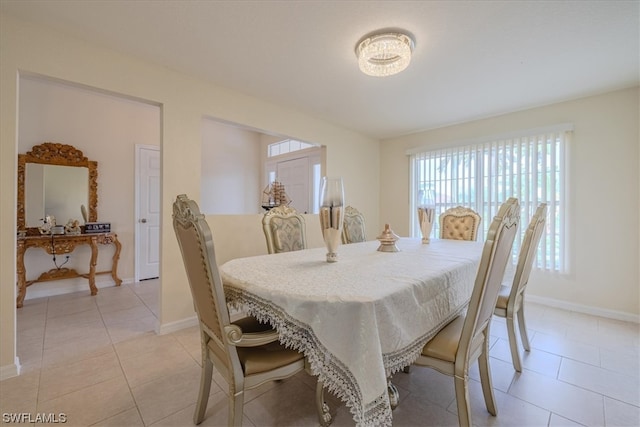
128 314
92 404
536 360
129 418
77 349
149 342
511 410
189 338
19 394
621 414
156 364
169 394
289 403
625 388
558 421
569 401
587 353
127 329
65 305
217 414
427 384
414 411
625 360
58 381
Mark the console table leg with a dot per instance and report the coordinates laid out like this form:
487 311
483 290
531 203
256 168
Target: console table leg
116 257
92 266
22 275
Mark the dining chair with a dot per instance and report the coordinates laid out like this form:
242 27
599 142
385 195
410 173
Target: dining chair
245 352
510 302
284 229
459 223
353 230
466 338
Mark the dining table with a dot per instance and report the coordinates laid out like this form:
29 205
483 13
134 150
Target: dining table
363 318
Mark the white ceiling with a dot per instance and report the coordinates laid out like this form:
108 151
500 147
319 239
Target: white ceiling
472 59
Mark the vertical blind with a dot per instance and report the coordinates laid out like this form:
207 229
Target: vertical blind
531 166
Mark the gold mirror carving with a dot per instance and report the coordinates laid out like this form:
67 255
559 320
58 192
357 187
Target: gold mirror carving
51 153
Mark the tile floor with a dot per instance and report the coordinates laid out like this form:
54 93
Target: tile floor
98 361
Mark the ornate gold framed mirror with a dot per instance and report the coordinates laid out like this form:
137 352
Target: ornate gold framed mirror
55 178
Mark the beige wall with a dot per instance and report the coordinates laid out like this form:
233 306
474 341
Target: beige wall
26 48
603 218
230 169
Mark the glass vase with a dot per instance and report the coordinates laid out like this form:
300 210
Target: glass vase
426 213
332 215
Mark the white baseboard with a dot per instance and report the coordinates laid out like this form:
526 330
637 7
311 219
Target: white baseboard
168 328
10 371
594 311
68 286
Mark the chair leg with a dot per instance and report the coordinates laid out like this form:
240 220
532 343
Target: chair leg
485 379
236 406
323 409
513 344
523 328
462 400
205 387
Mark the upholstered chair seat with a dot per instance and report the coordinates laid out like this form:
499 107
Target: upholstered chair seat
459 223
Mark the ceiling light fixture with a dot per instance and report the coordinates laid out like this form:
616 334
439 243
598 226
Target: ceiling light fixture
384 54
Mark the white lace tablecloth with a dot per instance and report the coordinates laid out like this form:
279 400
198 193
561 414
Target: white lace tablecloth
360 319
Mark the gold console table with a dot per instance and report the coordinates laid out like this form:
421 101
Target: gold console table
61 244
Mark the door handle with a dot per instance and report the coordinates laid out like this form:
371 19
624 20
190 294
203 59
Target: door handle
143 220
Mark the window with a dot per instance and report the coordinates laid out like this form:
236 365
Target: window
531 166
286 146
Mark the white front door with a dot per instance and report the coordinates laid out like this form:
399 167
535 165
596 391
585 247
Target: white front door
147 212
294 174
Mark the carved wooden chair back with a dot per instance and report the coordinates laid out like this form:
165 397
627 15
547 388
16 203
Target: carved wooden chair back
284 230
459 223
510 302
353 230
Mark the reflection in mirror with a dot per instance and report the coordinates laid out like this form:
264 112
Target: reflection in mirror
239 162
55 190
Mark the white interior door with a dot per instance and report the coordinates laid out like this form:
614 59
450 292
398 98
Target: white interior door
147 212
294 174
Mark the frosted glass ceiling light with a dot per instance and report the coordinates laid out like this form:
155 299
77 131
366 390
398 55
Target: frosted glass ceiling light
384 54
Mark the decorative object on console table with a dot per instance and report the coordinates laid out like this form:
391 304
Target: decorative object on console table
274 195
332 215
48 224
73 227
97 227
57 229
388 240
